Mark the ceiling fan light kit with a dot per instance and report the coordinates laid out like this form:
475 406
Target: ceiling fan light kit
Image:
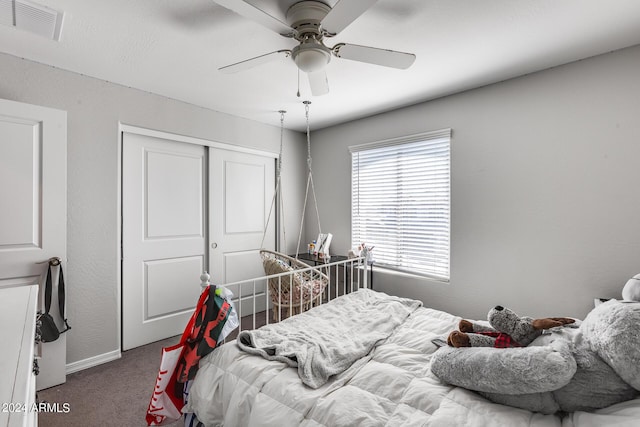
310 21
311 56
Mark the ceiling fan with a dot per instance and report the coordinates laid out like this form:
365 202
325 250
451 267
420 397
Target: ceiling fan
309 22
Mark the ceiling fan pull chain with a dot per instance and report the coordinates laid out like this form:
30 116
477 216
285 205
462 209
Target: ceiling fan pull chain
298 83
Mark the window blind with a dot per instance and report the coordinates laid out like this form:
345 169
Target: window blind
401 202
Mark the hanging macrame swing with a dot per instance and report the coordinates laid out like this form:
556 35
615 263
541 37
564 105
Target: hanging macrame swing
300 290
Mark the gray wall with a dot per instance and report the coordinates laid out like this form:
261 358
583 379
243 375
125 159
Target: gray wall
94 109
544 186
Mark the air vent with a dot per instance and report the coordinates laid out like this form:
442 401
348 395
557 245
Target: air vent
32 17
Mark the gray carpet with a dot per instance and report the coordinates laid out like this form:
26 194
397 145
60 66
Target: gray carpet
113 394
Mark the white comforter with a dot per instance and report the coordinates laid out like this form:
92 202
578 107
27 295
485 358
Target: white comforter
320 343
392 386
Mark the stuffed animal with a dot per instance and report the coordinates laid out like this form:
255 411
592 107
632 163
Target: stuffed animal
588 367
507 330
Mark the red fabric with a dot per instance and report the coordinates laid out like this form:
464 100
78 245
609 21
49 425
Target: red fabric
203 339
502 340
167 400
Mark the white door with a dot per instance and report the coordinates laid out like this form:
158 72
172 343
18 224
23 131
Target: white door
241 190
164 236
33 216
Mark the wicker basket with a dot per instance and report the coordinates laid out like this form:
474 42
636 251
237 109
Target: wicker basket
296 292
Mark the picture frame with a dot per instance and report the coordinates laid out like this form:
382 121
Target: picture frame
323 243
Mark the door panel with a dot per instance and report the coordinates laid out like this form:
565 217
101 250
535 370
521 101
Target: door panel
244 197
164 241
174 195
33 220
241 190
21 165
160 278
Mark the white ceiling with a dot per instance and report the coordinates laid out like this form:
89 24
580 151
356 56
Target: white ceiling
174 48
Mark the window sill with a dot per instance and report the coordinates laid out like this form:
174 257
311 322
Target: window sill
392 272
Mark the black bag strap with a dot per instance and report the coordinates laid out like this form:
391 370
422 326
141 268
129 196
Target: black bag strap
61 292
47 291
61 300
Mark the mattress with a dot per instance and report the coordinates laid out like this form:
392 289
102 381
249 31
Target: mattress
391 386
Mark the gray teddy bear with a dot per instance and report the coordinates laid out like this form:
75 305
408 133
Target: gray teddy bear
507 330
592 366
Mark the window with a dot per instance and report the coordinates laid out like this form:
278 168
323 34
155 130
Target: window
400 202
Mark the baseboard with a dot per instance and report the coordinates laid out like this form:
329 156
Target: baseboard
93 361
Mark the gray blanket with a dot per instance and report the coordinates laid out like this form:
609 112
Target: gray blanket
328 339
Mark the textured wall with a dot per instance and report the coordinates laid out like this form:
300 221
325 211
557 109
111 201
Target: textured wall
94 110
544 187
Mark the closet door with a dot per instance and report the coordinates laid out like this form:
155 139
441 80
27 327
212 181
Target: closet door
241 190
164 235
188 206
33 218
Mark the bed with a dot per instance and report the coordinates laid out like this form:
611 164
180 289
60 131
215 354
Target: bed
386 382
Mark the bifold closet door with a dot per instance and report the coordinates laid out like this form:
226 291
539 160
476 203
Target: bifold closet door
164 194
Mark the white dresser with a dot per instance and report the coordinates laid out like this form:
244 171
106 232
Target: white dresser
18 306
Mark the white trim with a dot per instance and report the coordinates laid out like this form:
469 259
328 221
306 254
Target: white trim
93 361
402 273
119 240
192 140
423 136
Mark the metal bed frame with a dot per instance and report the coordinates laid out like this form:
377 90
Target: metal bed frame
252 299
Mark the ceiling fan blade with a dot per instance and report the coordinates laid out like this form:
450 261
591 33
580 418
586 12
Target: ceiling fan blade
344 13
373 55
258 15
253 62
318 82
